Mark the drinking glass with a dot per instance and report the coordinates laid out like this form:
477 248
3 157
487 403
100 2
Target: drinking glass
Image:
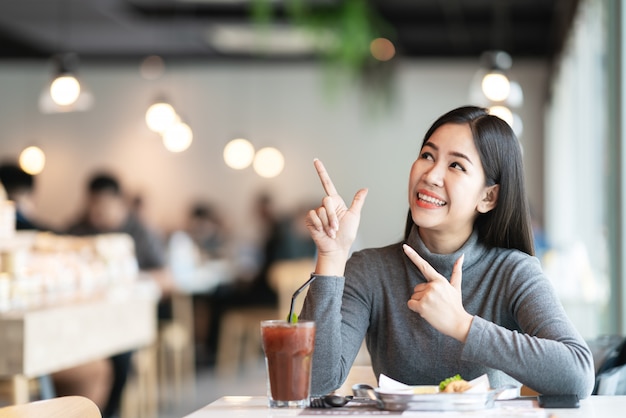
288 351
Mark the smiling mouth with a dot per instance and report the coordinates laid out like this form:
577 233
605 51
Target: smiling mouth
430 199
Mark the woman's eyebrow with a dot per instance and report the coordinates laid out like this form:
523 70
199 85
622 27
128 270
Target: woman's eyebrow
454 153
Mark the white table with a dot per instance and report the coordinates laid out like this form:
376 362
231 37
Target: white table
256 407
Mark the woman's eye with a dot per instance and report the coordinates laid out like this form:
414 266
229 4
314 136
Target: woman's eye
427 156
457 166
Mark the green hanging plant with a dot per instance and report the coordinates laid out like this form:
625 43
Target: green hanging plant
343 32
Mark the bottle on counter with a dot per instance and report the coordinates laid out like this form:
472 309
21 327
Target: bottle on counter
7 217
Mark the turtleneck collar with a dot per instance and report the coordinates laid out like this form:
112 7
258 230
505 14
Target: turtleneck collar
443 263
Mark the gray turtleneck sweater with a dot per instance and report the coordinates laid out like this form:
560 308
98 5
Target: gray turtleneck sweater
519 334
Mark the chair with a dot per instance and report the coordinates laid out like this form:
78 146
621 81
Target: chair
609 353
611 382
62 407
240 338
140 396
285 277
165 371
177 352
34 389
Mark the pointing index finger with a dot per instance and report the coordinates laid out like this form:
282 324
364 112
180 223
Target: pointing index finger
327 183
427 270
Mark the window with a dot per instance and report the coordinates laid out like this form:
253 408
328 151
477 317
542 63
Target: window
579 214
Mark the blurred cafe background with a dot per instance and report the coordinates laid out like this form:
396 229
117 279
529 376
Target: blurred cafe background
255 91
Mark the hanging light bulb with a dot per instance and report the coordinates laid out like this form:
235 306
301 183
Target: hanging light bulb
268 162
65 92
503 113
178 137
496 86
238 153
32 160
492 88
161 116
513 119
65 89
491 82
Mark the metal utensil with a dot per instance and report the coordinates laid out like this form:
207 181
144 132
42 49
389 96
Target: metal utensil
363 390
328 401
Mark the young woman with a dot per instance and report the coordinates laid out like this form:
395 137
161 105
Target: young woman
463 293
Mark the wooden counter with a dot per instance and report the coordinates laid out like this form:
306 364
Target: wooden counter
57 336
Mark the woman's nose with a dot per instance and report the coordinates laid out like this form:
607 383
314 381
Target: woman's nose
435 175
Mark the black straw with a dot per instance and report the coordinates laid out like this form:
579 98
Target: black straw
295 294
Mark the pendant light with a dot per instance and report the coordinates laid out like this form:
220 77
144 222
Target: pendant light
66 92
32 160
65 87
238 153
493 88
268 162
160 116
491 82
178 137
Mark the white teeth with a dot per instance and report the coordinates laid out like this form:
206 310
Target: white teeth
430 199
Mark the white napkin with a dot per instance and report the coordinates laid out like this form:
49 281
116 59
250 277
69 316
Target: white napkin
388 384
479 385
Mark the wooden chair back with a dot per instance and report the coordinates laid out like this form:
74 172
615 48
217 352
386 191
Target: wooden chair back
61 407
285 276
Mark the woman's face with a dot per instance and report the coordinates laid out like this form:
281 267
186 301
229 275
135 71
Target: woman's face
107 211
447 187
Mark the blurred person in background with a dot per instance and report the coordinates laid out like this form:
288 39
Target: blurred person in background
107 210
200 256
208 231
199 252
20 188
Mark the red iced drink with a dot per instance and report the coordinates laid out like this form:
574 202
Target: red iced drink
288 355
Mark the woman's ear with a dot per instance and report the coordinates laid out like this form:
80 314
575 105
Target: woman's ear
490 199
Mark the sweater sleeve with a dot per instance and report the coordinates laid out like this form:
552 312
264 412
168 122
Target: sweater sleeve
338 333
548 355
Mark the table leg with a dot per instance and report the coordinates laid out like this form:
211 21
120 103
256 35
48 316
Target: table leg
20 389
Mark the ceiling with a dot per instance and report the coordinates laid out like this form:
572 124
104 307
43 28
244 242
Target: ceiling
190 29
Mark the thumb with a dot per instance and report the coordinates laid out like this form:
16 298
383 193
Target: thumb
457 273
358 201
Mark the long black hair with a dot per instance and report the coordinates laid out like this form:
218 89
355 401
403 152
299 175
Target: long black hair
508 225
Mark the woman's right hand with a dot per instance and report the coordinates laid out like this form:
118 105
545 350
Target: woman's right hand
333 226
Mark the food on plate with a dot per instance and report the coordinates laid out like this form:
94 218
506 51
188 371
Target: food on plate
422 390
454 384
458 386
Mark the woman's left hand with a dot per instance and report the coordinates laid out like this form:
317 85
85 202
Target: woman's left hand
438 301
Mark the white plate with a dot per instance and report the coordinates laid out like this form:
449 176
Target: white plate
411 390
408 400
